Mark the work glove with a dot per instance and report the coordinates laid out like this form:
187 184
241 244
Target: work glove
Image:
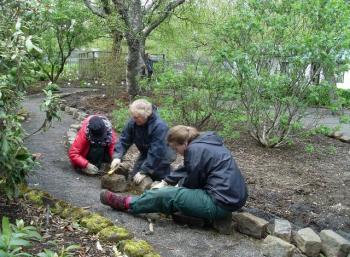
160 185
115 163
90 169
138 178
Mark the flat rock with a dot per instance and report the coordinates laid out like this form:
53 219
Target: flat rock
276 247
333 244
115 183
250 225
282 229
308 242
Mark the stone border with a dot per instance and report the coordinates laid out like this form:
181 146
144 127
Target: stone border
93 222
340 136
279 240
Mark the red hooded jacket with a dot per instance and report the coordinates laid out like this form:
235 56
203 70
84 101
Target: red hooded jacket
80 148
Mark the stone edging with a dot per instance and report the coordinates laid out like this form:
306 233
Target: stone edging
93 222
279 238
340 136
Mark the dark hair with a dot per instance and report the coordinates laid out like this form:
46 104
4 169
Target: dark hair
181 134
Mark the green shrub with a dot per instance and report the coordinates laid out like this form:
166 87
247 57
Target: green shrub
52 87
120 116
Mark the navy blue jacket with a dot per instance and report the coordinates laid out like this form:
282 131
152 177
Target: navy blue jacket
211 167
150 141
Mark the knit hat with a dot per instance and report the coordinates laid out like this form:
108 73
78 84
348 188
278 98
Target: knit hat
97 129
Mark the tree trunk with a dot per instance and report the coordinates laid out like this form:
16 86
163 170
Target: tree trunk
133 67
117 44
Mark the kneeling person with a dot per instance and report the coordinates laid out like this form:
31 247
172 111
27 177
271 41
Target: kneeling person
212 188
93 145
148 132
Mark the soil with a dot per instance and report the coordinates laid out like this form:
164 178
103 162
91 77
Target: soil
307 187
56 232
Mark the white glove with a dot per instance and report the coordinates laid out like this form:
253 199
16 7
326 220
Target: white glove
90 169
160 185
115 163
139 177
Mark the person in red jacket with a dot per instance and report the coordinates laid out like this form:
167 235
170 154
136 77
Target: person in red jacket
93 145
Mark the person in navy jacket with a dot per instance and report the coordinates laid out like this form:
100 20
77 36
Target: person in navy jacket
148 132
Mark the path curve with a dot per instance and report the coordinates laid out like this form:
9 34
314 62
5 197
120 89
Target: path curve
56 177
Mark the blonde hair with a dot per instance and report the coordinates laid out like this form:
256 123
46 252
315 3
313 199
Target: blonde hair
141 107
181 134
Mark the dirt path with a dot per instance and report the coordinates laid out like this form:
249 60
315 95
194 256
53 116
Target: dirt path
56 176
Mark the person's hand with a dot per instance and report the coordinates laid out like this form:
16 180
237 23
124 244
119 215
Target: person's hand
115 163
139 177
91 169
160 185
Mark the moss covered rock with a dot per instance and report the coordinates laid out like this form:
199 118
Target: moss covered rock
95 223
60 207
35 196
114 234
134 248
79 213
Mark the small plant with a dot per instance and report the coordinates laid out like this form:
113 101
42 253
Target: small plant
14 237
65 252
52 87
310 149
344 119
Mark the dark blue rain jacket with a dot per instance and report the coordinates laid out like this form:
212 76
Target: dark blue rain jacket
155 155
209 165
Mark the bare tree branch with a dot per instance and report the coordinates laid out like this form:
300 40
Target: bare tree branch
166 12
101 12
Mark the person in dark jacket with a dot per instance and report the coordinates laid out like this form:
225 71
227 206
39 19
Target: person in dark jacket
93 144
148 132
212 188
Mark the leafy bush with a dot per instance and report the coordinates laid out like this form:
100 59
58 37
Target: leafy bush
344 95
52 87
319 95
14 237
197 97
268 65
120 116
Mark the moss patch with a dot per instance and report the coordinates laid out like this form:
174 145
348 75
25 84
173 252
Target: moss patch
95 223
59 207
35 196
135 248
79 213
114 234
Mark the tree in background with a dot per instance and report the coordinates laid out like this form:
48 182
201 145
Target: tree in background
64 25
139 20
268 47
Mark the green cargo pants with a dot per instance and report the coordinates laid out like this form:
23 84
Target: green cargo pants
191 202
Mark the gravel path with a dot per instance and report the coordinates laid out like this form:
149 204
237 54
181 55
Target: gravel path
56 176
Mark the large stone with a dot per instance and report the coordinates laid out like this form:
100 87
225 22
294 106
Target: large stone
333 244
337 134
224 226
250 225
276 247
114 183
308 242
145 184
76 114
75 126
345 139
72 110
282 229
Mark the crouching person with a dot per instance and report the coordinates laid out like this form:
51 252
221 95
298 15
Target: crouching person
148 132
212 188
93 145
